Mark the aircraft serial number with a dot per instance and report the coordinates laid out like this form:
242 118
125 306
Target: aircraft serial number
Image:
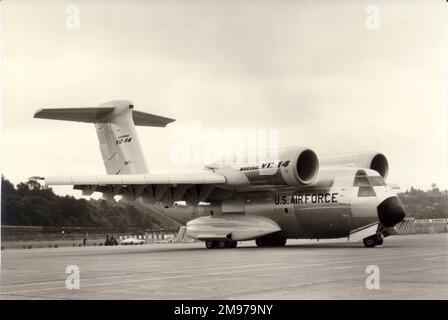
306 198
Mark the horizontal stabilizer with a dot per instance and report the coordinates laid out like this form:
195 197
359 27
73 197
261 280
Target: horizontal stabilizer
150 120
98 115
90 115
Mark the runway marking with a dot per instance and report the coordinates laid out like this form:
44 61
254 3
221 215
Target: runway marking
271 289
160 278
376 254
434 258
299 264
282 288
377 257
406 268
361 266
125 282
134 275
348 267
141 280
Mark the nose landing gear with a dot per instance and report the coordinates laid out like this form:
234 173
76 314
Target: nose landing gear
372 241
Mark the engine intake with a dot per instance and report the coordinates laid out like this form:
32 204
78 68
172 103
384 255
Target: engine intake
371 160
307 166
294 167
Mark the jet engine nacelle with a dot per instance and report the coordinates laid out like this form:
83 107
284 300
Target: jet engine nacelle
371 160
293 166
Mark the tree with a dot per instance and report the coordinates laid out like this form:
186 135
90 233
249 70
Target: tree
30 205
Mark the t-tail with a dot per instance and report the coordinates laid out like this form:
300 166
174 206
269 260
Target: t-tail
115 123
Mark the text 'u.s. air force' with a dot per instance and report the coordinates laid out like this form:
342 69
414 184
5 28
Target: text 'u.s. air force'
306 198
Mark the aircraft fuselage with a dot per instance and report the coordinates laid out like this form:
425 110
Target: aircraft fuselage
352 202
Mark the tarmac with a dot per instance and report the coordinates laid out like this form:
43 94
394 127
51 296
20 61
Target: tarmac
410 267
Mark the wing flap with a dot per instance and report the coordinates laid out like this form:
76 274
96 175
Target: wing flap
191 178
152 188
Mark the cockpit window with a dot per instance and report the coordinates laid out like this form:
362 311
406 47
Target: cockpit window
377 181
366 183
361 180
366 192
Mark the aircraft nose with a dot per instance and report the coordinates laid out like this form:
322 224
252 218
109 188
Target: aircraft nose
391 212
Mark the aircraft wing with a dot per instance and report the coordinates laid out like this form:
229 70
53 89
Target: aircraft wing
165 188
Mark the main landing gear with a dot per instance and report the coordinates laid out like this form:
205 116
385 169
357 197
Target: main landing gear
221 244
372 241
274 240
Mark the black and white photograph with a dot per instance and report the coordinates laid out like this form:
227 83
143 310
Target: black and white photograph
243 152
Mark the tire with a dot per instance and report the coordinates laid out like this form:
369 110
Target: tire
272 240
379 242
232 244
221 244
281 242
209 244
260 243
369 242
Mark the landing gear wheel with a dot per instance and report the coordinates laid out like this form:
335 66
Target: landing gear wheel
372 241
271 241
221 244
369 242
260 242
209 244
281 242
232 244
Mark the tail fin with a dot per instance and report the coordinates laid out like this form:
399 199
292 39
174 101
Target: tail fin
115 123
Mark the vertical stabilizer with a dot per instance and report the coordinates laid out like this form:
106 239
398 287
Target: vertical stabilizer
115 126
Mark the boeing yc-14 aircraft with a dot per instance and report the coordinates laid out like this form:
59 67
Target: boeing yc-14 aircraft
298 196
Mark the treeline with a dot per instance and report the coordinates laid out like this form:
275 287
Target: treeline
421 204
30 205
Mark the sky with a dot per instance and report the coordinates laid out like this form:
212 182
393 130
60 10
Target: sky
335 77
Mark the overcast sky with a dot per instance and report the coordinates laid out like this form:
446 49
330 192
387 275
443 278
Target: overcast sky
312 70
